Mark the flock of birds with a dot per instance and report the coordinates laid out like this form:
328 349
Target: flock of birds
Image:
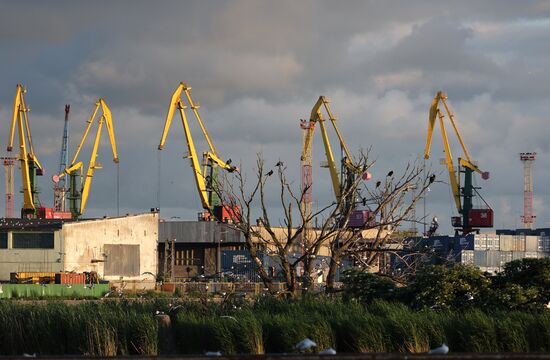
308 344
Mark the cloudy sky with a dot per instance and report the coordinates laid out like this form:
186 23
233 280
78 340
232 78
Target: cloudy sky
257 67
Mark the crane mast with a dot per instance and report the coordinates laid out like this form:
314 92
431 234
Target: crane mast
30 166
60 188
463 195
340 182
205 177
79 191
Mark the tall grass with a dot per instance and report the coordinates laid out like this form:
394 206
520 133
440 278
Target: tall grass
264 326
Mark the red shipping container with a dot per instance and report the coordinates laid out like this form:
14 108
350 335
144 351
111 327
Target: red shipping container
62 215
45 213
480 218
226 213
70 278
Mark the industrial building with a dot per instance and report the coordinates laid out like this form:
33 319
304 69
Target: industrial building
116 248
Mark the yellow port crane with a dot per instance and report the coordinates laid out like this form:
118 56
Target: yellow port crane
30 166
75 168
205 178
340 182
470 217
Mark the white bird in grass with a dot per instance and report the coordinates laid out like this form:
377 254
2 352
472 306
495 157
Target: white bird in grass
305 344
443 349
213 353
329 351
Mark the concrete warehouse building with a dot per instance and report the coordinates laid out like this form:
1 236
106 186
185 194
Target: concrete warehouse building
118 248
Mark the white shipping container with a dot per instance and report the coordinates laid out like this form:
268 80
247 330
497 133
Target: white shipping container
505 257
480 258
518 243
480 242
517 255
506 242
531 255
542 255
493 258
467 257
531 243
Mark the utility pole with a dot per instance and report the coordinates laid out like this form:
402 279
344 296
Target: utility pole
528 217
60 188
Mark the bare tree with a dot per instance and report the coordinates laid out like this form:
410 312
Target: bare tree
288 237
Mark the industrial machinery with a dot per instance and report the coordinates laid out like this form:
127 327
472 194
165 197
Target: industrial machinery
80 192
470 218
205 177
60 189
341 183
30 166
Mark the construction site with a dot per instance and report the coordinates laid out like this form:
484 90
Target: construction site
59 244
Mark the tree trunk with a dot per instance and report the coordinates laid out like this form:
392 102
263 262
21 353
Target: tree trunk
332 271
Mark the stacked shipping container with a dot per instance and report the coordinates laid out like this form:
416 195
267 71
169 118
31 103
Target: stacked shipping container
490 252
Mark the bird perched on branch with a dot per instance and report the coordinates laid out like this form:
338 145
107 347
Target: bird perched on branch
270 173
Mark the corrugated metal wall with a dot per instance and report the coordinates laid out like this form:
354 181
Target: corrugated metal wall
198 232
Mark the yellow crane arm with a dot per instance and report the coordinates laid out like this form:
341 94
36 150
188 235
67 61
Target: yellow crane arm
435 113
91 167
317 116
106 118
449 163
176 103
20 119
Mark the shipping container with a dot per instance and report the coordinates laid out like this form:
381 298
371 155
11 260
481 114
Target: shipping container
542 255
464 243
480 217
493 242
506 242
70 278
480 258
505 257
480 242
531 243
467 257
518 255
531 255
493 258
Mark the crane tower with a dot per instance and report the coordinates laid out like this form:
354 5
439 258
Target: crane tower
528 217
60 188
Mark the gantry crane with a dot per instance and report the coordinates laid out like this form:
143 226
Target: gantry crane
75 169
30 166
341 183
205 178
470 218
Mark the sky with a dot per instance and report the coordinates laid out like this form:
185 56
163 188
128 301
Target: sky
257 68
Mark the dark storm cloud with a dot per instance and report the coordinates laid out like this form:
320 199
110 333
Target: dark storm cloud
257 67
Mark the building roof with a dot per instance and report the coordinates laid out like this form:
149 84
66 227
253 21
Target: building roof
32 224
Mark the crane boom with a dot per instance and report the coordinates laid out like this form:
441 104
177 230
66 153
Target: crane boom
203 182
316 116
74 167
30 166
466 163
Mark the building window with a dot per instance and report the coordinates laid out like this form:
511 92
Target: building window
186 257
29 240
3 240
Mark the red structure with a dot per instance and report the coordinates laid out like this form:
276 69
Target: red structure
528 217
